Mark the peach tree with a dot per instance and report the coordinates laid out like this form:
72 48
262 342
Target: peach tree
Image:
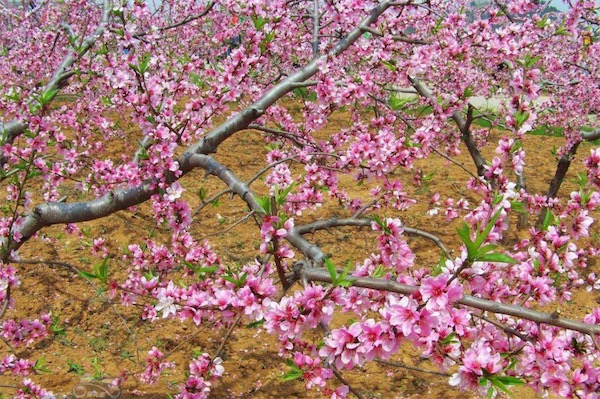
191 75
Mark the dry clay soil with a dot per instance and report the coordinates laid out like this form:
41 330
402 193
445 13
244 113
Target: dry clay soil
103 338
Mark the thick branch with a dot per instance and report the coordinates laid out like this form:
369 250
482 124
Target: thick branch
464 125
561 171
243 191
591 136
74 212
316 28
319 274
563 167
60 213
330 223
243 119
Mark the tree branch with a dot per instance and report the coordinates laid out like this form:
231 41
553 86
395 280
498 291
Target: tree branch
504 9
362 222
411 368
304 270
316 28
184 21
341 378
561 170
463 125
280 133
242 190
591 136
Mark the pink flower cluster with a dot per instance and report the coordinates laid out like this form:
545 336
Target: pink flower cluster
202 370
154 366
25 332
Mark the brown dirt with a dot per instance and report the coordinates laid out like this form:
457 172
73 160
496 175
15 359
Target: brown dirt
117 337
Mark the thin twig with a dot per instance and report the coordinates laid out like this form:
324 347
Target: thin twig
228 334
411 368
185 341
341 378
453 161
504 9
227 230
184 21
280 133
504 328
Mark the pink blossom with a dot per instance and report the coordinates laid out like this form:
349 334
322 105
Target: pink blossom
437 294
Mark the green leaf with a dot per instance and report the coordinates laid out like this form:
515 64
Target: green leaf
101 270
481 122
465 236
449 339
280 196
265 204
55 327
238 282
389 65
47 96
255 324
547 219
437 269
259 22
510 381
397 103
103 50
518 206
438 25
562 30
40 366
295 372
488 228
381 224
528 61
75 368
201 271
542 23
331 268
378 272
499 385
230 279
521 117
581 180
485 249
144 64
468 92
501 258
87 275
196 80
268 39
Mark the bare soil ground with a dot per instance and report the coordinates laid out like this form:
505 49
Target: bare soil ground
113 337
